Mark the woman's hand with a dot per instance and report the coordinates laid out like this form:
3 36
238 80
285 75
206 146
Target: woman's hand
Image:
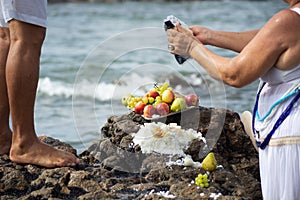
201 33
182 41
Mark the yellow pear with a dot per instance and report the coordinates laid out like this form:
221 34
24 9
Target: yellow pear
209 163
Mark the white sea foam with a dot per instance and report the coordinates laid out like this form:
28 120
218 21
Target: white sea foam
54 88
102 91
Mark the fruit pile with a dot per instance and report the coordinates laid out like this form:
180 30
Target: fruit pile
160 100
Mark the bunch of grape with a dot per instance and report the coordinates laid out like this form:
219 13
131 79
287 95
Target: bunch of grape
202 180
130 101
161 88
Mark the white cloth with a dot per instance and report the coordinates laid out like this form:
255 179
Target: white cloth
297 10
279 165
276 76
29 11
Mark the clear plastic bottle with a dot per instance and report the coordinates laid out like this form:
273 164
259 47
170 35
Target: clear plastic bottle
170 22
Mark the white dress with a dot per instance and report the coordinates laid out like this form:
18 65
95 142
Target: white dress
280 160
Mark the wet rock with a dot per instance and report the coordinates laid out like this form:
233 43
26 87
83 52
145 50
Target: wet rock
114 168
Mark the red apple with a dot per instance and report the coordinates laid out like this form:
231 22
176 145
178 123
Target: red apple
162 109
192 100
149 111
139 107
153 93
167 96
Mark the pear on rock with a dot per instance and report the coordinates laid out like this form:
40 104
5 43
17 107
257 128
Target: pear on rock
209 163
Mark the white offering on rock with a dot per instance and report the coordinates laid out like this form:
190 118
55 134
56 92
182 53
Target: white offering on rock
188 162
165 139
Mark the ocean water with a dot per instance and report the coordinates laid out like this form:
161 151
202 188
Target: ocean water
94 53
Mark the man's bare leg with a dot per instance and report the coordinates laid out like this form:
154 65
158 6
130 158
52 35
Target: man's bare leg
22 73
5 132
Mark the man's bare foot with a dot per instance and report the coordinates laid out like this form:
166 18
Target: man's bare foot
39 153
5 141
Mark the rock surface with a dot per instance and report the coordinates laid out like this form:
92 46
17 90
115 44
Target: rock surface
109 1
113 168
114 1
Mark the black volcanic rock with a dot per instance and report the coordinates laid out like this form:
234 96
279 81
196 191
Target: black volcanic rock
114 168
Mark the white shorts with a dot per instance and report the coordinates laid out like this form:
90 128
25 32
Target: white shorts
29 11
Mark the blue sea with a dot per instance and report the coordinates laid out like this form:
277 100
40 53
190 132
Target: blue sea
94 53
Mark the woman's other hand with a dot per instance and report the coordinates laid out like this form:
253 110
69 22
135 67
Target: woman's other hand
201 33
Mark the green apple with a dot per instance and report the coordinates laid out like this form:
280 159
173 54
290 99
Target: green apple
178 105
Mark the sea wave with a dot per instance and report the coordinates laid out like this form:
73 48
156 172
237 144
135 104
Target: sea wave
102 91
49 87
133 83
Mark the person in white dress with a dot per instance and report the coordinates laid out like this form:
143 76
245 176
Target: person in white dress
271 54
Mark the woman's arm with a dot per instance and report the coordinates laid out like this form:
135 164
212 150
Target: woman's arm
256 58
234 41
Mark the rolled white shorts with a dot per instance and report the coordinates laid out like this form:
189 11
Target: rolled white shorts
29 11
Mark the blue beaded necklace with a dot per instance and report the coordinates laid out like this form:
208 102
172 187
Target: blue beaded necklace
281 118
